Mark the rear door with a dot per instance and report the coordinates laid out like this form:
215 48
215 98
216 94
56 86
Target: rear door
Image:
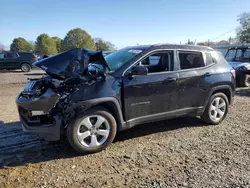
194 79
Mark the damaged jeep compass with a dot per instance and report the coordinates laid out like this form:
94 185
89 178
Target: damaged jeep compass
89 98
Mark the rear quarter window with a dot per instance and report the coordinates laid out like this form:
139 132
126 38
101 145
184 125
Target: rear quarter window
209 59
218 57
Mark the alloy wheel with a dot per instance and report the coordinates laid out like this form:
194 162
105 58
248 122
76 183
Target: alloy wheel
93 131
217 109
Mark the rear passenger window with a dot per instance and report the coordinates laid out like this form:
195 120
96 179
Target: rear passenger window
11 55
191 60
209 59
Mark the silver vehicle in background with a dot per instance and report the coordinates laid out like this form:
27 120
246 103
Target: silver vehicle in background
239 59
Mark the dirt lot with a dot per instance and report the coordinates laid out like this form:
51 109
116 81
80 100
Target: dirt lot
175 153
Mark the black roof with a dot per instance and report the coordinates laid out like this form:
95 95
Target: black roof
173 46
141 47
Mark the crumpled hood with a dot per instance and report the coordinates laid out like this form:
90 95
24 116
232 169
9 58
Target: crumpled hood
236 65
72 63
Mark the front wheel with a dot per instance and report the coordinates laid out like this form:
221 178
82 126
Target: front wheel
93 132
216 109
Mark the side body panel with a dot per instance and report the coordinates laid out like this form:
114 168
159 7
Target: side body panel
149 94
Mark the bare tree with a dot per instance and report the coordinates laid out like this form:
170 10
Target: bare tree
2 47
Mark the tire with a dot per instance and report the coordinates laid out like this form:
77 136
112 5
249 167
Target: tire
245 80
25 67
215 114
84 138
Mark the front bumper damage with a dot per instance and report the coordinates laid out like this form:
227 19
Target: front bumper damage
36 115
43 104
50 132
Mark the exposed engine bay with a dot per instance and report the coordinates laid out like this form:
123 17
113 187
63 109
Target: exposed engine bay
46 100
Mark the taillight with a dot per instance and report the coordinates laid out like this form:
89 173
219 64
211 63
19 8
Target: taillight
233 73
35 59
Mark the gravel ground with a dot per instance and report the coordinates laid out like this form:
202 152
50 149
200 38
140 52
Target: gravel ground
176 153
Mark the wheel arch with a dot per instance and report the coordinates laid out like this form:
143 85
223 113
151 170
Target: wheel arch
111 104
226 89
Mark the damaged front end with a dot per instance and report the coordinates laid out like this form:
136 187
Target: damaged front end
43 104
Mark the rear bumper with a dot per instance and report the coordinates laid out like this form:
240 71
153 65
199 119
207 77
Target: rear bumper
50 132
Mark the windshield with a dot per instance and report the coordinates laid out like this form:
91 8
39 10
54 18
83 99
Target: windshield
116 59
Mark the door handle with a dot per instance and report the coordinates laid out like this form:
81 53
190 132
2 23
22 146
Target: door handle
208 74
169 79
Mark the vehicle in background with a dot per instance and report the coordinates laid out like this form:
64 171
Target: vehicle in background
17 60
38 57
239 59
90 98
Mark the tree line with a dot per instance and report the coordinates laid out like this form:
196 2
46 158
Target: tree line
46 45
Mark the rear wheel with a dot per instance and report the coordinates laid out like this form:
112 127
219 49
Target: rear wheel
216 109
93 132
25 67
245 80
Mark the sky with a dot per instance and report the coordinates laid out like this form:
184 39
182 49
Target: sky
123 23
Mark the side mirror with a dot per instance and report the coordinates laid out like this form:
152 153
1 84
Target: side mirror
139 70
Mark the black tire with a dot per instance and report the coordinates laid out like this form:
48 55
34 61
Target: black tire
206 117
25 67
245 80
73 127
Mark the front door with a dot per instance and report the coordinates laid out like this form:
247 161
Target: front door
153 93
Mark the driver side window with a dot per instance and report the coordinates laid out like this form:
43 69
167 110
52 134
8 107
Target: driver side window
158 62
